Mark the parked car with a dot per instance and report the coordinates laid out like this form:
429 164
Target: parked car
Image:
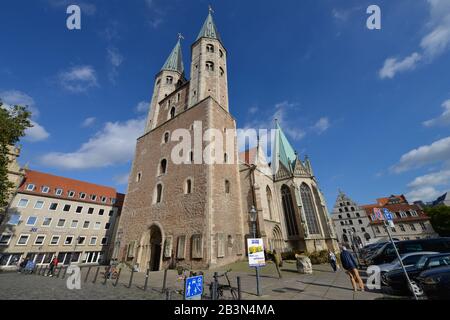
408 259
386 254
436 283
368 251
396 279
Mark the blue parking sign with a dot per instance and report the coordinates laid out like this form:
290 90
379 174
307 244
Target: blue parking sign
388 215
194 288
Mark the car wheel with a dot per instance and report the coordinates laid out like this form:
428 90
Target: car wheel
416 288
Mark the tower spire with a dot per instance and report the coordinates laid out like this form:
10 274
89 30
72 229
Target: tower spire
209 29
175 60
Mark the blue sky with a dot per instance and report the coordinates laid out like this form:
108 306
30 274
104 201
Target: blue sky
371 108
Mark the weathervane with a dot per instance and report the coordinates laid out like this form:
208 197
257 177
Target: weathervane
210 9
180 36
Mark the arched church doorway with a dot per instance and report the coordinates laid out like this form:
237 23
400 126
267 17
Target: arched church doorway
277 239
155 248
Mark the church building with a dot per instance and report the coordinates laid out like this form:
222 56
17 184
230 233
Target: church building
197 214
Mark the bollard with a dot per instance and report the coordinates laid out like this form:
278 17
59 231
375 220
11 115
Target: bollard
117 279
184 289
87 274
164 280
39 270
239 288
168 295
65 272
45 271
96 275
214 287
131 278
106 279
59 272
146 280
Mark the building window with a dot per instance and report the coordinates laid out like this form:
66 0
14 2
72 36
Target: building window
139 177
340 210
310 212
93 197
289 211
23 203
423 226
97 225
197 246
363 229
169 80
111 213
79 209
93 241
402 228
413 227
352 209
358 215
39 205
104 241
227 186
101 212
14 220
163 167
360 221
166 137
39 240
86 224
68 241
55 240
403 214
45 189
53 206
61 223
172 113
74 224
81 240
209 48
23 239
107 226
342 223
71 194
210 66
340 216
31 187
181 247
104 199
188 187
82 196
414 213
47 222
158 193
191 156
221 72
59 192
5 239
220 53
31 221
90 210
66 208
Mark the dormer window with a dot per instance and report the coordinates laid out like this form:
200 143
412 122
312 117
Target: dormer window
93 197
45 189
169 80
210 66
31 187
82 195
104 199
59 192
210 48
71 194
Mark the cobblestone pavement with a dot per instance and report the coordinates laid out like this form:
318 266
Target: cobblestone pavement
323 284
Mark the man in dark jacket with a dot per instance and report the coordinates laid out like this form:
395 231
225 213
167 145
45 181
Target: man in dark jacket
349 264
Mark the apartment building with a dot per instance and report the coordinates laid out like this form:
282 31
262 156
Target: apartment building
51 215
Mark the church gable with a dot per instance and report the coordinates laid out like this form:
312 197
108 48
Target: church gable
300 170
283 172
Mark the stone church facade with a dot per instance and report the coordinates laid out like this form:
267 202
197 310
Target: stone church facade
196 214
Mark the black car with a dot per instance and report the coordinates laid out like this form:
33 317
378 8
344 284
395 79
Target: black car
396 279
386 254
436 283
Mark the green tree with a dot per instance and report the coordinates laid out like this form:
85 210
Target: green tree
440 219
13 123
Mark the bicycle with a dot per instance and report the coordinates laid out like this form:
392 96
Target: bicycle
221 288
111 273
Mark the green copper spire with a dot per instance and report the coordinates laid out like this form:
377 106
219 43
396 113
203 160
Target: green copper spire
175 60
209 29
286 154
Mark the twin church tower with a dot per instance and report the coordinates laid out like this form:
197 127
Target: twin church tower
196 214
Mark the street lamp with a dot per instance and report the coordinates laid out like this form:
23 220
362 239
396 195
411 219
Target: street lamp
253 218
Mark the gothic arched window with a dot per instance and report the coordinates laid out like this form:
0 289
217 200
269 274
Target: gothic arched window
310 212
269 202
166 137
158 193
163 167
169 80
210 48
289 211
172 113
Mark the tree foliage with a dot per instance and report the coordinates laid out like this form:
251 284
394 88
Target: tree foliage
440 219
13 123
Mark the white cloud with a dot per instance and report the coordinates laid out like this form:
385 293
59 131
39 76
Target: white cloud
142 107
433 44
121 179
343 15
438 151
115 57
253 110
14 97
443 119
392 65
439 178
88 122
322 125
78 79
114 144
423 193
36 133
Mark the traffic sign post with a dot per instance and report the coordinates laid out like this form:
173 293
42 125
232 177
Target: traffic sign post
388 221
193 289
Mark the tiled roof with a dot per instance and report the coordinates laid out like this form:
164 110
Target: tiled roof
384 201
396 208
209 29
40 180
175 60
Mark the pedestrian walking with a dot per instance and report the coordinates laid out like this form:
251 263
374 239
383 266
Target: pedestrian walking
52 267
350 265
332 260
30 266
22 264
277 259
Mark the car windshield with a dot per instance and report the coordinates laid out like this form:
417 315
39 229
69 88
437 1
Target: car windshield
421 263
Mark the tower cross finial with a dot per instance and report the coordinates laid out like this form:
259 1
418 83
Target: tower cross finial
210 9
180 36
